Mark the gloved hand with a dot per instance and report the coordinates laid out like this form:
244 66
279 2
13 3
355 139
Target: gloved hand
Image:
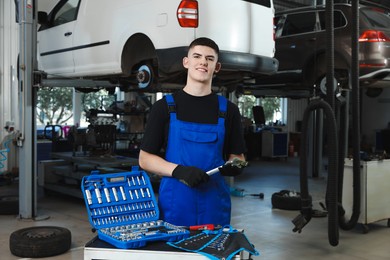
230 170
189 175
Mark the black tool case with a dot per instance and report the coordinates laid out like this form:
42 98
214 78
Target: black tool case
123 209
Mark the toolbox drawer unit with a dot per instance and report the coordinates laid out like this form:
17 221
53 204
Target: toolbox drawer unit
274 144
123 209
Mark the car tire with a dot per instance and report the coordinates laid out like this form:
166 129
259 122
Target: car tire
42 241
9 205
287 200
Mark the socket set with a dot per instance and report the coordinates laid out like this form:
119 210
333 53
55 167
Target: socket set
122 208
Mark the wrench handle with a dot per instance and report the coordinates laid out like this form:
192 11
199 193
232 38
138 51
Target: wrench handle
213 171
235 162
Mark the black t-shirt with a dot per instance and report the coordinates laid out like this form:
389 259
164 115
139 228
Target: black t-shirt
192 109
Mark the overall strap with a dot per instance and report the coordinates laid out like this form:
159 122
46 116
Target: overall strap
222 109
171 106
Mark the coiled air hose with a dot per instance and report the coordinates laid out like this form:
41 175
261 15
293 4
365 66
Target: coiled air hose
306 210
356 128
336 155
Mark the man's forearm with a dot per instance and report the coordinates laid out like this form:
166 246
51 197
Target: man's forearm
155 164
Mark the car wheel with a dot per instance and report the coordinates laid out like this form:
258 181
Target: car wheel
40 241
321 85
9 205
145 76
287 200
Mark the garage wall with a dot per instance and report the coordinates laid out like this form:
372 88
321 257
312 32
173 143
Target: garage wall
296 108
9 49
375 115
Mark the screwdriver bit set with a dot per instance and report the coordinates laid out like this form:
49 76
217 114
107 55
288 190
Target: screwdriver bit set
122 208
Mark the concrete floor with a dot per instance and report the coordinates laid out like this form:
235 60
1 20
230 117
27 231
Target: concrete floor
270 230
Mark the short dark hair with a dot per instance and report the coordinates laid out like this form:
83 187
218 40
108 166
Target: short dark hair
204 42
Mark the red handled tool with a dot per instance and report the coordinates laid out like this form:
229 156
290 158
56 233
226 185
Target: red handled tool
202 227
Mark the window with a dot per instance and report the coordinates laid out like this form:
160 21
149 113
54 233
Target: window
67 13
338 18
274 108
299 23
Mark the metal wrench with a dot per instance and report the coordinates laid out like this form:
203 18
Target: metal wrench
236 162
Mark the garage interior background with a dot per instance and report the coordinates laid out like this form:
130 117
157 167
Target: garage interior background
9 118
371 107
9 33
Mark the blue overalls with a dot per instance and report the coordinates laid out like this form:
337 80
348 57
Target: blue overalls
200 145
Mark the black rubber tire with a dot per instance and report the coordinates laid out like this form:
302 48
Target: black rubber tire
40 241
9 205
281 200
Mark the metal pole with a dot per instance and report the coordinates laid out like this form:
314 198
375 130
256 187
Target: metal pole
26 137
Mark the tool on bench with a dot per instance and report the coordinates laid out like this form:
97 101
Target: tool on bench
236 162
202 227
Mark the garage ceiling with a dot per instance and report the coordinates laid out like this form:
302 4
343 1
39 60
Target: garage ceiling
288 4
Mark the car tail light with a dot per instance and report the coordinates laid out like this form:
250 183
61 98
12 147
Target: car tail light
371 65
187 13
373 36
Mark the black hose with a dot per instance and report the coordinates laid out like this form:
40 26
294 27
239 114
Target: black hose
332 187
329 26
356 124
336 156
306 210
342 152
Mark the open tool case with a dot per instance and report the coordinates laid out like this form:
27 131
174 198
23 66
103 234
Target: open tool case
123 209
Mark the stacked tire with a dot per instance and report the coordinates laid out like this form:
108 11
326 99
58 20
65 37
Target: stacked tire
41 241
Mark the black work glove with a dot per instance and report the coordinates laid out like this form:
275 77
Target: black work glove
189 175
230 170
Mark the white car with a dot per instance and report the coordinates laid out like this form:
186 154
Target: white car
139 44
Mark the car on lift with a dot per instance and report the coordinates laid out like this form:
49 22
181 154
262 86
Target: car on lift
140 44
300 43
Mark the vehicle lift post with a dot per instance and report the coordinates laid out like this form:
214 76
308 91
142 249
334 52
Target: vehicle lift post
26 138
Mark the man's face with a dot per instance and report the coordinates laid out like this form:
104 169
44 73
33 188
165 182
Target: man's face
201 63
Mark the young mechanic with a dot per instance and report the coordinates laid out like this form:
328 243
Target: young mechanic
198 130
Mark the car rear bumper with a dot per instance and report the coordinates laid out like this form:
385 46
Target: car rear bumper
170 61
377 77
